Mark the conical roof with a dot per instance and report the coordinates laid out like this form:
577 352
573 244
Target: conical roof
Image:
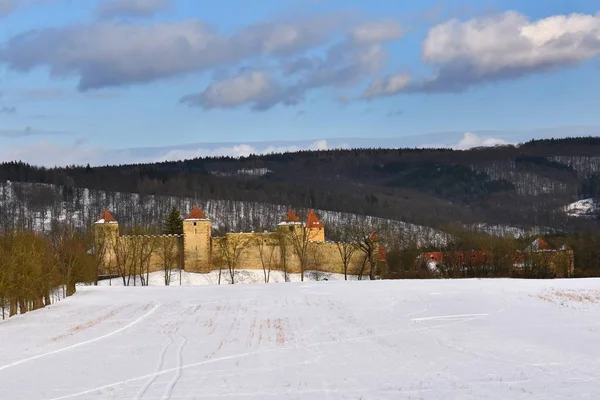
539 244
291 216
106 217
313 221
196 213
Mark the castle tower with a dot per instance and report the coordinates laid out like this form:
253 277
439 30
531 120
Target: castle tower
291 223
315 228
106 235
197 230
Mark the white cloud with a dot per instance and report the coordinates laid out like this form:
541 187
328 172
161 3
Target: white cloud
241 150
344 64
249 88
471 140
388 86
507 46
498 47
49 154
131 8
104 54
46 153
377 32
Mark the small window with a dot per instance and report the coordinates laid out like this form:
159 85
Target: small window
195 223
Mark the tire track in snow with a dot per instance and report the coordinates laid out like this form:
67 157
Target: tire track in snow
179 370
246 354
137 321
161 361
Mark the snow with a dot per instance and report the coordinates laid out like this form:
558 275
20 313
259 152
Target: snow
439 339
582 208
511 230
241 276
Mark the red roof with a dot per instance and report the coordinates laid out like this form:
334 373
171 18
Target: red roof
313 221
475 257
374 237
542 244
291 216
107 217
196 213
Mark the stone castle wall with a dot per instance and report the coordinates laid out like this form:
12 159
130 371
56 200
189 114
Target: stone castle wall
197 251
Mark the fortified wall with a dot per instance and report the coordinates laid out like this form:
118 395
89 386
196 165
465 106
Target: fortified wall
198 251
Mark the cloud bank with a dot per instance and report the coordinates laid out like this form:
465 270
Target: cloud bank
49 154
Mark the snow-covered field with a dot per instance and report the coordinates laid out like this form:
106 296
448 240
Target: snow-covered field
441 339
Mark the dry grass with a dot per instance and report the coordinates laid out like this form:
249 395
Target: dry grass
572 296
89 324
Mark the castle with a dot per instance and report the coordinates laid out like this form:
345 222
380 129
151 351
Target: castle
293 247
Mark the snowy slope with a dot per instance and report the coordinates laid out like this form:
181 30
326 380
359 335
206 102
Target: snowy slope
36 206
459 339
583 208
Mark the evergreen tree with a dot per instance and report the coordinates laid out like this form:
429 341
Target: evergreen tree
174 223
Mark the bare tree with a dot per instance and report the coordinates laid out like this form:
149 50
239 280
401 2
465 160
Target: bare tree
123 255
267 252
345 245
282 246
146 245
299 237
232 248
168 256
368 243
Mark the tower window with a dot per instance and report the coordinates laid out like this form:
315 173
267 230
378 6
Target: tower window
195 223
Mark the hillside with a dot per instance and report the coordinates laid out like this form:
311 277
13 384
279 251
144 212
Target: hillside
526 185
495 339
39 206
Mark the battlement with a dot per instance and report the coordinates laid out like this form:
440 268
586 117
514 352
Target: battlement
150 236
293 245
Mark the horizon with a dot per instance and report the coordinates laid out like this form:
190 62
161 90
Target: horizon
124 81
292 150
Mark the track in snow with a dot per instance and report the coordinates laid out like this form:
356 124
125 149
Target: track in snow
426 339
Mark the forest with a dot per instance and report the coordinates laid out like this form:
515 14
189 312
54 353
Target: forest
524 185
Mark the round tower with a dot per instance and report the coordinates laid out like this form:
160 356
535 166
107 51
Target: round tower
197 230
106 235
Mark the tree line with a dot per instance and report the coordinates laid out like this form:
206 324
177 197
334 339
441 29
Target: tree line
525 184
38 269
475 254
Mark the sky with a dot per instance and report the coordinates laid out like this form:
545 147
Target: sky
121 81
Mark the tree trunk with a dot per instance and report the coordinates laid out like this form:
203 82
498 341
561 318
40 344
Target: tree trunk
70 289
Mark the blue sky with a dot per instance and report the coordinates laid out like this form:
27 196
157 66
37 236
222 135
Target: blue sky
94 81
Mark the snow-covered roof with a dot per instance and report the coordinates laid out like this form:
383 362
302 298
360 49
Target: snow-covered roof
286 223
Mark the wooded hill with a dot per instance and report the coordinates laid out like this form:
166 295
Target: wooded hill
524 185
